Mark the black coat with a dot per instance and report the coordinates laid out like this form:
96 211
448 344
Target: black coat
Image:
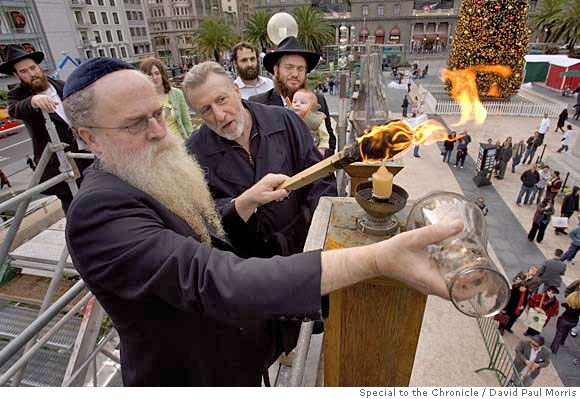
569 205
280 143
271 97
20 107
512 305
188 314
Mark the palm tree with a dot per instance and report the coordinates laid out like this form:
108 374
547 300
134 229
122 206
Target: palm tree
313 31
559 19
212 36
256 30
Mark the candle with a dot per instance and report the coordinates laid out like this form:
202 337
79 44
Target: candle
382 183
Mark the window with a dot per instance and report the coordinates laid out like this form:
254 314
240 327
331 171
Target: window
79 17
112 3
105 18
92 17
397 9
116 18
380 11
128 15
109 36
89 54
123 52
89 3
113 52
365 11
132 31
101 52
101 2
140 16
120 35
97 36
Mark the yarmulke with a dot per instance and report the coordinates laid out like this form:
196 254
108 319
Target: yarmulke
91 71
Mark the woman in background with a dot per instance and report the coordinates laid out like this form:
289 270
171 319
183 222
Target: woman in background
177 117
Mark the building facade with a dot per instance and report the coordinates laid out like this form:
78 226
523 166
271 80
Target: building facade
20 24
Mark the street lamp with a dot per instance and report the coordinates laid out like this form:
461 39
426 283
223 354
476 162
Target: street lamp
280 26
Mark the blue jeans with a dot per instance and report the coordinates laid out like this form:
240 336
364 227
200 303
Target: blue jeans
530 152
535 191
527 191
416 151
447 155
516 162
570 253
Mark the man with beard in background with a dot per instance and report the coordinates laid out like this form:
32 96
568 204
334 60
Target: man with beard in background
37 93
289 64
144 234
249 81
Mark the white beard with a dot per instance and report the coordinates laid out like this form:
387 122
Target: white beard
171 176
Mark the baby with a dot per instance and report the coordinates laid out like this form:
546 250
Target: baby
304 103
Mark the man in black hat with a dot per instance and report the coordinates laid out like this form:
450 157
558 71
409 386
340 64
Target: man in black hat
144 234
289 64
37 93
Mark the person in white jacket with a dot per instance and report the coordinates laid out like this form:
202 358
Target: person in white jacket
567 139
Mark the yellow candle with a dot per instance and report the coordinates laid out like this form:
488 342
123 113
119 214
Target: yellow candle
382 183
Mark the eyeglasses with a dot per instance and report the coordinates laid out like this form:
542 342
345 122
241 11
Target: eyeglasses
141 124
292 68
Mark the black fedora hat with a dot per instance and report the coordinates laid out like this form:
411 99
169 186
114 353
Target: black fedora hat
13 53
290 46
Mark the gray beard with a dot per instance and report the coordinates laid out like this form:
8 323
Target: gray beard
170 175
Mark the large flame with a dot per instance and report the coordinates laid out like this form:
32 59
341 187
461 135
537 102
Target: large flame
464 89
386 142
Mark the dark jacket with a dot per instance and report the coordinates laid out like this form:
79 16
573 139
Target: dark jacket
570 315
280 143
188 314
574 286
551 272
543 214
530 178
448 145
533 141
569 205
512 305
271 97
20 107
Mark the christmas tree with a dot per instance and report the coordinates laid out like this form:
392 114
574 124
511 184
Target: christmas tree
491 33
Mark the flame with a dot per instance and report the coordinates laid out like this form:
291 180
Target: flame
390 141
464 89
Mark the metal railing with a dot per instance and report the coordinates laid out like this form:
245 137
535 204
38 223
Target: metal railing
503 108
27 339
500 358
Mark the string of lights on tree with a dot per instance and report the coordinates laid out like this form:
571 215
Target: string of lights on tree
492 32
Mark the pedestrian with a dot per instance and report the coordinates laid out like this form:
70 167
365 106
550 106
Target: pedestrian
574 286
518 153
405 106
448 147
4 180
532 144
567 139
515 306
30 162
529 179
416 151
553 186
572 250
552 270
531 279
331 86
540 220
577 109
246 59
461 152
567 320
480 202
531 357
569 206
505 156
544 128
544 175
562 120
544 303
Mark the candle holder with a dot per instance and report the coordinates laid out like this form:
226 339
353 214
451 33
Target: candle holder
379 218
